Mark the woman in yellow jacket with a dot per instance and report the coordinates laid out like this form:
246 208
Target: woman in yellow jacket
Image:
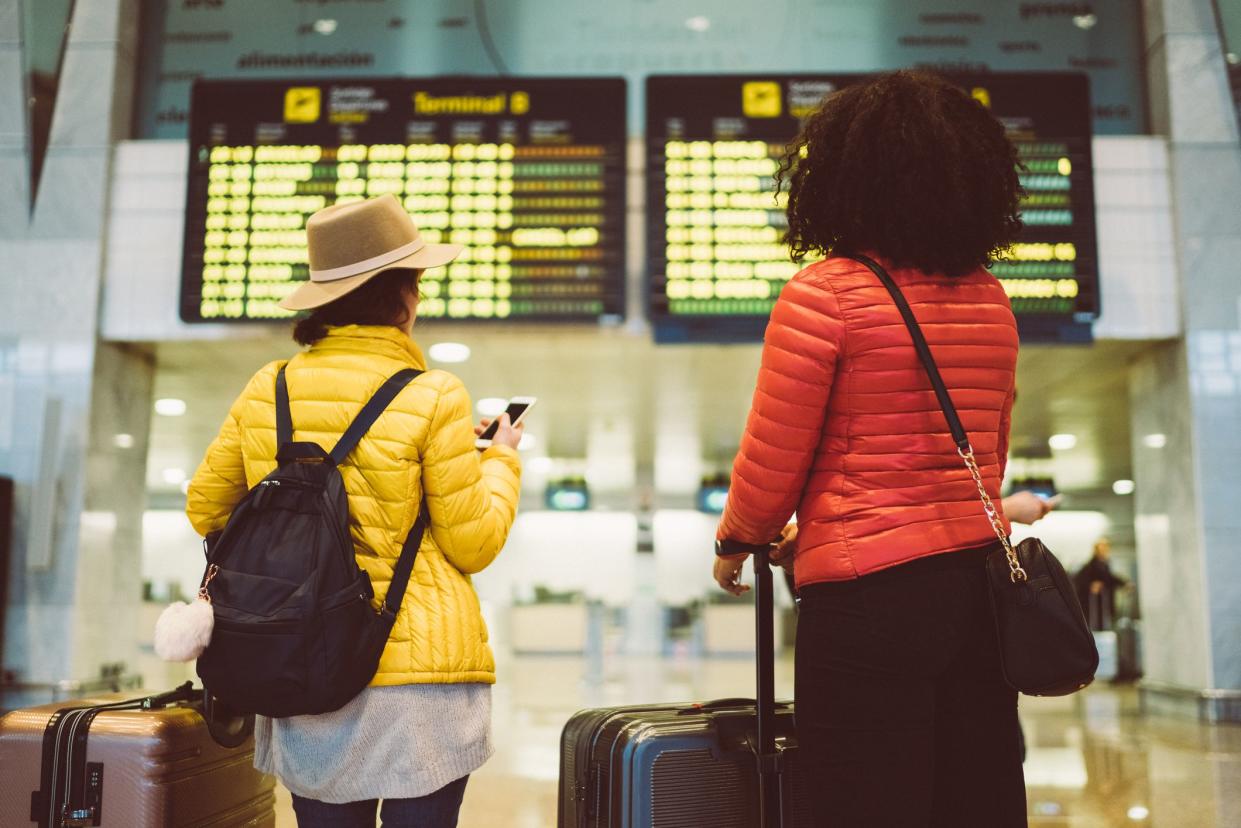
413 737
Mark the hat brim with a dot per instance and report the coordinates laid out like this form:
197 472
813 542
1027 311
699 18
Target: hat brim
311 295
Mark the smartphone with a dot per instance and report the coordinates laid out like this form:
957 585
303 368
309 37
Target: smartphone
516 411
1043 487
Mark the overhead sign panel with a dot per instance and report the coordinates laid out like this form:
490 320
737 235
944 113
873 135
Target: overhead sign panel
715 225
527 173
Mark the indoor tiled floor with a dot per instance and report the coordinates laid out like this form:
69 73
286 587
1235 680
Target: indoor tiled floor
1094 761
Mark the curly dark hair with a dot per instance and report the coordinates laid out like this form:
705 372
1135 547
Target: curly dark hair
381 301
906 165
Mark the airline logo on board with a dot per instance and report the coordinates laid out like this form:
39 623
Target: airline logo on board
761 99
302 104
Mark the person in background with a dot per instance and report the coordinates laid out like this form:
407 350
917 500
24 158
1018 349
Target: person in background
415 735
1096 586
903 714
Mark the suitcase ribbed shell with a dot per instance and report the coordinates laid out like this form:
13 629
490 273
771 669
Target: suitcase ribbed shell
161 769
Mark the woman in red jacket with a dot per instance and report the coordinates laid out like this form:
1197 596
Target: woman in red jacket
901 706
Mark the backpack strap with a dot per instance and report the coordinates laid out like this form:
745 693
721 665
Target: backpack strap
405 564
284 418
370 413
353 435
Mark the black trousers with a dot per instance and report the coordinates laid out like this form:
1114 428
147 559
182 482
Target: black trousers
902 711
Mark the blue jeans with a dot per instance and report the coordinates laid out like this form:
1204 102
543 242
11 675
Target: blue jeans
437 810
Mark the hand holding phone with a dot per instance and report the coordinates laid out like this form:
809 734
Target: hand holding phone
515 413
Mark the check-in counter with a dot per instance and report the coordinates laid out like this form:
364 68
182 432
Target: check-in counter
728 629
554 628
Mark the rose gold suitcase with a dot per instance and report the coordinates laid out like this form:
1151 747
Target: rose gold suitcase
125 760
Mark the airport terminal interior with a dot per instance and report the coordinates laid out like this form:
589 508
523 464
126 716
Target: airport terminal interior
608 167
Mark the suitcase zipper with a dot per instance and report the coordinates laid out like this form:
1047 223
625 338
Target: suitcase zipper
83 816
53 801
59 815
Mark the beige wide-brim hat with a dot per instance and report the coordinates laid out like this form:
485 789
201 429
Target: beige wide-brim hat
350 244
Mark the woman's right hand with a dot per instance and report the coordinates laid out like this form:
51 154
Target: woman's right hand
785 551
506 433
1027 507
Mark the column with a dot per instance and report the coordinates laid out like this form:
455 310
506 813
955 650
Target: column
1185 395
74 571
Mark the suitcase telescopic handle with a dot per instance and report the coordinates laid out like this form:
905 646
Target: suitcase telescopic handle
770 760
764 633
767 755
769 764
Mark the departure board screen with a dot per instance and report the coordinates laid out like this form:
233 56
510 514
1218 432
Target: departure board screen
527 173
715 226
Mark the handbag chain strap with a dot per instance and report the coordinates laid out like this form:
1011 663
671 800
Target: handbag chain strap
1016 572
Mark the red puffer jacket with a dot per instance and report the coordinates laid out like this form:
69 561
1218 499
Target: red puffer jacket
845 428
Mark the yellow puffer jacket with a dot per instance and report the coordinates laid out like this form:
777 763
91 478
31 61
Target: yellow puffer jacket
424 438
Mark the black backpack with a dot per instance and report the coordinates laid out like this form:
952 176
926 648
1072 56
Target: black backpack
294 629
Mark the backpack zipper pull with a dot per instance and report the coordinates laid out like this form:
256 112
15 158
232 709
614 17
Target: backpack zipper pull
203 595
262 494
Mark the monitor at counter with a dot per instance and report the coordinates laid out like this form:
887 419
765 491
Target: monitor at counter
716 259
527 173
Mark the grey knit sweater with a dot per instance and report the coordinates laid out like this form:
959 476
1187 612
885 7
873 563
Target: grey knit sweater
388 743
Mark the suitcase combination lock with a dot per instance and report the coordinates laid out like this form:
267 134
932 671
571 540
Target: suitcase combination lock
78 818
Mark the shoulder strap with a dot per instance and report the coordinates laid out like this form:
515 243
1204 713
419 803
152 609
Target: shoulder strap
370 413
284 419
405 564
348 442
1017 573
924 352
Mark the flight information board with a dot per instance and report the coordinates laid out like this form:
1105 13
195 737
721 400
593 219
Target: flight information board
527 173
715 226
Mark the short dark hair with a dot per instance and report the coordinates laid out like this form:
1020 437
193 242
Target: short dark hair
909 166
381 301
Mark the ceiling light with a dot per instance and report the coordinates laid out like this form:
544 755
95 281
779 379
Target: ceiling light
123 441
1085 21
1123 487
1139 812
528 441
698 23
1155 441
174 477
170 407
325 27
491 406
449 352
540 465
1062 442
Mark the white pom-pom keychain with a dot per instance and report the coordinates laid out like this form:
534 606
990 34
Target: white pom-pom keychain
183 630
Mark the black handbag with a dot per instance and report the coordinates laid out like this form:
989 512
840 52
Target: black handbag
1046 649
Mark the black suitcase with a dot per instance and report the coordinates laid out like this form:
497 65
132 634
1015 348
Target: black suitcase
713 765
